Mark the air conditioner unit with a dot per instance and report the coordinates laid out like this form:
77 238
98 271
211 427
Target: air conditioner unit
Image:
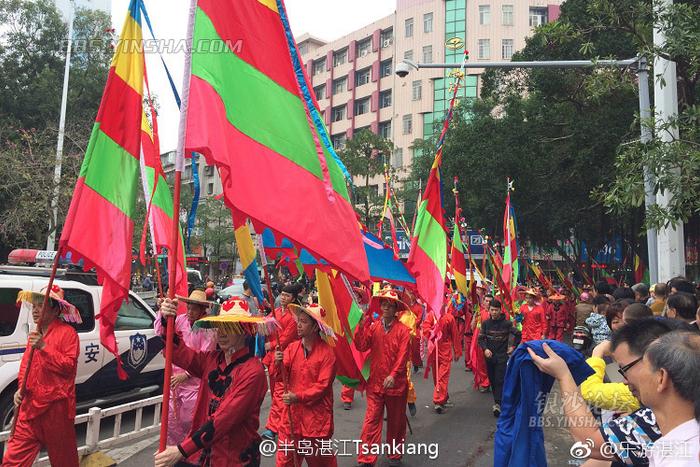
386 43
363 53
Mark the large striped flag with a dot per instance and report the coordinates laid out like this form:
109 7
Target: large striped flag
99 225
251 112
459 263
510 246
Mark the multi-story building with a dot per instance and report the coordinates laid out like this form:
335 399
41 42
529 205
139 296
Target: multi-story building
354 80
356 87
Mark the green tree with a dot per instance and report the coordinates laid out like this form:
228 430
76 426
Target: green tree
365 156
32 57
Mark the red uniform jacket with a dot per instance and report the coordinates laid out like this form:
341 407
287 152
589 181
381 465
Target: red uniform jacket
226 420
534 322
388 353
52 376
447 335
558 319
311 380
285 336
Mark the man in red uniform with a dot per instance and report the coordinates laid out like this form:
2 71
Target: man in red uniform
417 310
309 365
388 342
347 394
534 323
477 360
232 388
47 407
444 344
558 319
279 341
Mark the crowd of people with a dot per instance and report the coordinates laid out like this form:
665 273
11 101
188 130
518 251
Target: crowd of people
635 400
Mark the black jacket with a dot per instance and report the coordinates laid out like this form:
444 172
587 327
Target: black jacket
497 336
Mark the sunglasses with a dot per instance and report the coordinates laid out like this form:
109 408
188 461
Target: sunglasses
624 369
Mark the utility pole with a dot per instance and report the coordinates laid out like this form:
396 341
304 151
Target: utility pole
670 239
53 222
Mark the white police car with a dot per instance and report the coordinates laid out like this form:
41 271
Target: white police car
97 382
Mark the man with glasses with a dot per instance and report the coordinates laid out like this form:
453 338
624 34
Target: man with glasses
632 436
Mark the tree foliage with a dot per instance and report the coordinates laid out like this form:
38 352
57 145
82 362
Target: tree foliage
32 57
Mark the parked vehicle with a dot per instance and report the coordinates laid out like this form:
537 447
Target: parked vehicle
97 382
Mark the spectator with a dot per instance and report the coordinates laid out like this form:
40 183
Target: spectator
623 292
250 299
660 296
631 435
641 292
599 328
680 284
603 288
584 309
669 383
682 306
147 283
635 312
614 313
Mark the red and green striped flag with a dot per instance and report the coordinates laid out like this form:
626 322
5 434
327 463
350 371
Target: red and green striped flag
252 113
99 225
510 246
459 263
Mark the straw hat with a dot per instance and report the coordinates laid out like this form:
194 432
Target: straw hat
67 311
532 292
318 314
386 294
197 297
557 298
235 318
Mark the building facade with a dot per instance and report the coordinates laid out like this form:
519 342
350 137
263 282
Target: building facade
354 80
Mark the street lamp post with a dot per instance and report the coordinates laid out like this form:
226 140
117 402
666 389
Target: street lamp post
405 67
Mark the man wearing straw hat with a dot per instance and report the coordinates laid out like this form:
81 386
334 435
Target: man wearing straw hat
232 387
183 386
388 342
308 365
46 414
534 322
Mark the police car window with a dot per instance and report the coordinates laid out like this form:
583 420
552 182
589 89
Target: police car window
84 303
9 311
132 315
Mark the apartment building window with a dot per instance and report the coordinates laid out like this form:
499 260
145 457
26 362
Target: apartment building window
364 47
210 188
408 55
319 66
338 113
428 22
320 92
484 49
416 90
408 27
362 106
397 158
362 76
385 68
385 99
303 48
428 54
407 124
361 129
385 129
338 141
507 49
507 18
386 38
538 17
340 57
340 85
209 170
484 14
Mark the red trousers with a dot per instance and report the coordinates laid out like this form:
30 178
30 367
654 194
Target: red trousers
415 352
371 435
441 379
318 452
467 351
275 415
347 394
54 430
556 334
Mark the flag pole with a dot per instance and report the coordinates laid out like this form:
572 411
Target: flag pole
175 237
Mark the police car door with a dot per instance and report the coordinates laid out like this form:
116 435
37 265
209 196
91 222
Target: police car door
139 347
91 355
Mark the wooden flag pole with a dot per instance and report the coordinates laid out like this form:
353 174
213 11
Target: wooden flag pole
175 233
39 326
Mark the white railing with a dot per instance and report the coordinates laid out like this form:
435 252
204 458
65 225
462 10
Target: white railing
93 419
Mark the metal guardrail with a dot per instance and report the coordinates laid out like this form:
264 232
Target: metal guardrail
93 419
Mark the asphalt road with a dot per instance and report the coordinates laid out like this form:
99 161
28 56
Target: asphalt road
463 434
